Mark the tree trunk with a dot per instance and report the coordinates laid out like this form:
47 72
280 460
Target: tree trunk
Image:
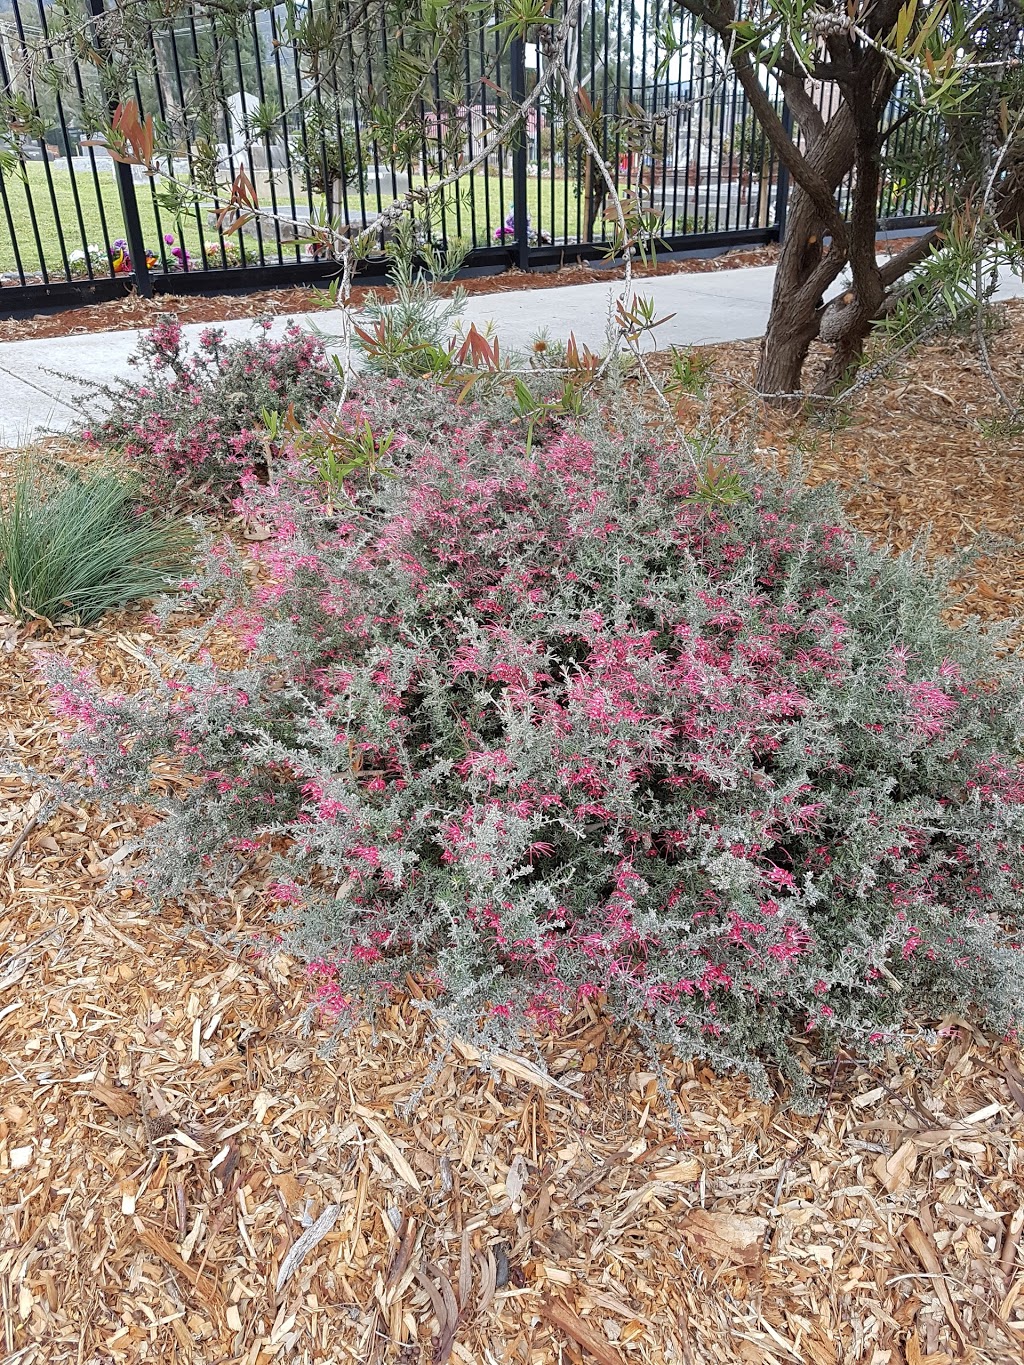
804 271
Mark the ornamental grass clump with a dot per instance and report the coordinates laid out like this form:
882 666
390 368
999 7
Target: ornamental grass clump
540 728
72 547
194 426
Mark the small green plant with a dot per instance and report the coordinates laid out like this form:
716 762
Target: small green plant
533 411
717 486
444 263
337 453
638 319
1009 426
690 373
410 336
546 353
73 547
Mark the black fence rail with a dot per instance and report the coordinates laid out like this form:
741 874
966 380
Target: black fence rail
237 91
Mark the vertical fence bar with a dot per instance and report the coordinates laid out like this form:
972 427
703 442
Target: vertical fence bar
48 177
126 191
8 215
520 217
186 135
63 131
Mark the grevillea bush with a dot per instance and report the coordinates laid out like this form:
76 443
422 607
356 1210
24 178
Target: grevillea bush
544 727
194 424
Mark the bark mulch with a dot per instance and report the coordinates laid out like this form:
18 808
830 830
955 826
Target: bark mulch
925 453
187 1174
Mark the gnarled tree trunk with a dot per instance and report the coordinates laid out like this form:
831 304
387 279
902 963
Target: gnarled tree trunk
808 263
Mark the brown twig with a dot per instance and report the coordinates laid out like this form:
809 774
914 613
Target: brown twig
44 811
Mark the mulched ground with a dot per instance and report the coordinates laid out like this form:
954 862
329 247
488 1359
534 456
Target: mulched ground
134 311
187 1176
925 452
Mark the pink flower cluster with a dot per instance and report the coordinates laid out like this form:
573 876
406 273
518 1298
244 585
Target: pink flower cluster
194 424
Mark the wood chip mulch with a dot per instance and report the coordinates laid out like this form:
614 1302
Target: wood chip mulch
188 1174
926 451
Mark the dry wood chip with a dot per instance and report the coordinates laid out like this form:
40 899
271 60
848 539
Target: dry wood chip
118 1100
733 1238
305 1244
159 1244
895 1171
682 1171
560 1315
916 1354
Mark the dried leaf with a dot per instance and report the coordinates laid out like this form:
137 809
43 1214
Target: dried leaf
1014 1080
446 1341
401 1167
257 531
925 1251
515 1181
465 1270
446 1311
402 1257
488 1280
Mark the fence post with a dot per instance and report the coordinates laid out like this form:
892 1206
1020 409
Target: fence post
126 190
517 57
782 190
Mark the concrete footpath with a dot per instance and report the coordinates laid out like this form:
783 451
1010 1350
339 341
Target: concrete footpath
48 386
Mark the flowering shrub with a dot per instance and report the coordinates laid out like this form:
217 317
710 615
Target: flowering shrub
224 253
546 727
121 261
194 423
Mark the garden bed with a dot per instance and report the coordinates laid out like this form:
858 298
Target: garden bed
168 1128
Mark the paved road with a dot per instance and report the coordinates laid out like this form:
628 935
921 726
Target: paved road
44 385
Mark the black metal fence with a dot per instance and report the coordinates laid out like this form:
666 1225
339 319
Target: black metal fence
239 93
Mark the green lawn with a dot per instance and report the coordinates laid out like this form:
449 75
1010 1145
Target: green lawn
551 204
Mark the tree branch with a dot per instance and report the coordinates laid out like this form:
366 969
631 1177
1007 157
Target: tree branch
808 115
897 266
813 184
